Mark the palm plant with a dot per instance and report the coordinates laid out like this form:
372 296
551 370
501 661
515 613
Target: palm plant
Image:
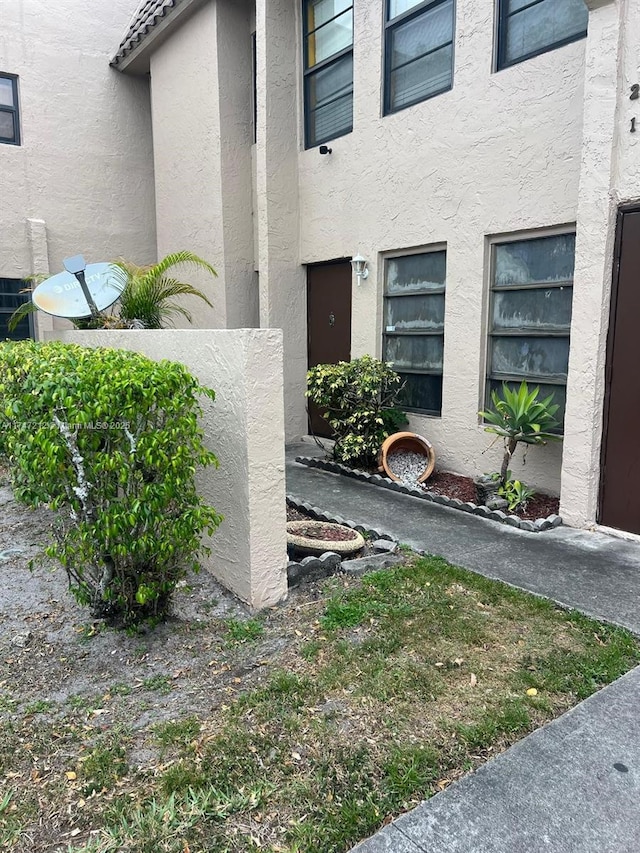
519 416
148 293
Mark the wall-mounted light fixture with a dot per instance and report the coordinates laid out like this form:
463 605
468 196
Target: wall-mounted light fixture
359 267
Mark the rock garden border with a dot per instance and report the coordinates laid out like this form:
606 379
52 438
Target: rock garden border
540 525
330 563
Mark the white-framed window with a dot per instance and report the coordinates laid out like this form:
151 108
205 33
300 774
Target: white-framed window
530 315
527 28
328 69
418 48
413 331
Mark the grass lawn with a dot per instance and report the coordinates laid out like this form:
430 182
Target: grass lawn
386 691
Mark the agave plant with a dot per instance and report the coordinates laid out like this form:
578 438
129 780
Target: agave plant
519 416
147 295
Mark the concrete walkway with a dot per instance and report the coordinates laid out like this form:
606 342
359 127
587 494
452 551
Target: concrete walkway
572 786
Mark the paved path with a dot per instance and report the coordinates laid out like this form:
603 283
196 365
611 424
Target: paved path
572 786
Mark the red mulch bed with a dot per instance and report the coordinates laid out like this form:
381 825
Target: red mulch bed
462 488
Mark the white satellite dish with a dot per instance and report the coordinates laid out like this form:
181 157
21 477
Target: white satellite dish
62 294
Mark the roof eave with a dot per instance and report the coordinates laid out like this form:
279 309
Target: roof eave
135 57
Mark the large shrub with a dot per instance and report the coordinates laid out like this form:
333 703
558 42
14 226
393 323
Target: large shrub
110 440
359 398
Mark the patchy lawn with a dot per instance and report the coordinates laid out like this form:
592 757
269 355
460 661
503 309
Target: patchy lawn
303 730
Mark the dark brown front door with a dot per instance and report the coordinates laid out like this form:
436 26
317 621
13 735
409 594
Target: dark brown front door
620 478
328 323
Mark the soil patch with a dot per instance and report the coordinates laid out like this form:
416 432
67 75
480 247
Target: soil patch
462 488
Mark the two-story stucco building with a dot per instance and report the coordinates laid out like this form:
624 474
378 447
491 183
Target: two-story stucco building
480 156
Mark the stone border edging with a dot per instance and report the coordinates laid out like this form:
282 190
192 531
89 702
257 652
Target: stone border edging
327 564
537 526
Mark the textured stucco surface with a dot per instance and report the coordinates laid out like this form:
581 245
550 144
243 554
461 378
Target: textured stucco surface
201 107
84 168
279 217
500 153
596 218
244 426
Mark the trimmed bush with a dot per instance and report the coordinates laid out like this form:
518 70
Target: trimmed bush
358 399
109 440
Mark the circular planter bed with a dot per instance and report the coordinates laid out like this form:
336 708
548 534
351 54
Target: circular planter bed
316 537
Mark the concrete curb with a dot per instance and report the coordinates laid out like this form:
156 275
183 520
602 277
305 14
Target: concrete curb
537 526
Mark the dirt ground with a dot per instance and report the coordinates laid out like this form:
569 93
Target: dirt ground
56 660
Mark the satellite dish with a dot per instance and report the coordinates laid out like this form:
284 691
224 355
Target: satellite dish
62 294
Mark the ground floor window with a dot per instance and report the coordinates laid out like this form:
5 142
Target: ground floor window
530 315
10 299
413 339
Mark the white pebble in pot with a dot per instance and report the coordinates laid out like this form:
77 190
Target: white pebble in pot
407 465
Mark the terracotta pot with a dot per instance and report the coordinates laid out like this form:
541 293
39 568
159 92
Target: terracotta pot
412 442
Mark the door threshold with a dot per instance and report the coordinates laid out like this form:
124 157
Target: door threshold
619 534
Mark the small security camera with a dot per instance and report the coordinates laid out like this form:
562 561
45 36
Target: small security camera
325 150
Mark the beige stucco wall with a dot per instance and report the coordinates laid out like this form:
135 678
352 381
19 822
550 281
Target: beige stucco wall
279 216
201 106
84 169
244 426
498 154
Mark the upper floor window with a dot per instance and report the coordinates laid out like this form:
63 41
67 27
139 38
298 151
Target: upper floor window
413 340
9 120
328 69
530 319
418 51
527 28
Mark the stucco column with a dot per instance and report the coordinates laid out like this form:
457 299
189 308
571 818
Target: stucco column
37 236
596 219
282 278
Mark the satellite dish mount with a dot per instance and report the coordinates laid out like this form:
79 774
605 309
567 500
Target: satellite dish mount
76 266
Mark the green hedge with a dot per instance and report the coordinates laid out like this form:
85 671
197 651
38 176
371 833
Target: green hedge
109 440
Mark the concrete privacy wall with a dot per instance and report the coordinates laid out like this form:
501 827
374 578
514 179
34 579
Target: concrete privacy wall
498 154
201 106
82 179
244 426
